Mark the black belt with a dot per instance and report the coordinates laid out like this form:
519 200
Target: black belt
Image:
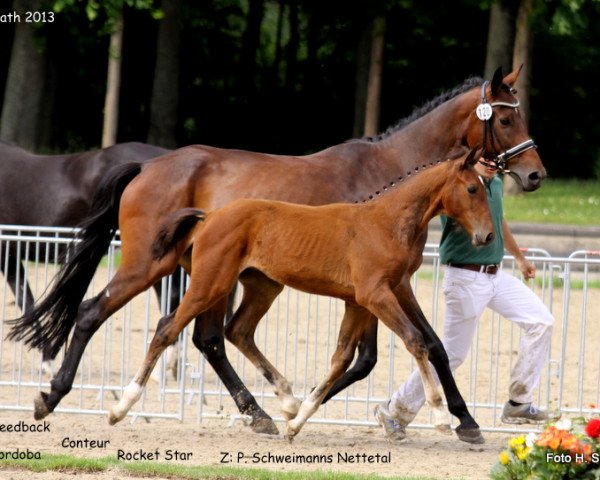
491 269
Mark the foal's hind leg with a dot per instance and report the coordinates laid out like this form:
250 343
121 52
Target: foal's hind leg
353 324
259 293
126 284
208 338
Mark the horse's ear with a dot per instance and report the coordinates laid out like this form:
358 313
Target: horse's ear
496 81
511 78
472 158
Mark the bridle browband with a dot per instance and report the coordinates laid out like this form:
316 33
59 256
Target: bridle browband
485 112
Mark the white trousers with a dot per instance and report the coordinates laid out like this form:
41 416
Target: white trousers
467 294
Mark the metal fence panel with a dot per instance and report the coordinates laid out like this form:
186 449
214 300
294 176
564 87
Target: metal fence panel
299 335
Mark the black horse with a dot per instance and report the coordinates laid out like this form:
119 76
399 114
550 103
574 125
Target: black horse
54 190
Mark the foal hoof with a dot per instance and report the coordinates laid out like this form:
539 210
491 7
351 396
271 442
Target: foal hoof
114 418
470 435
40 408
264 425
290 433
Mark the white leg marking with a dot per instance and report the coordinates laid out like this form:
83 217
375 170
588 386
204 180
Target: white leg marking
131 394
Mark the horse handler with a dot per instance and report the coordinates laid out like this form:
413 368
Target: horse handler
472 282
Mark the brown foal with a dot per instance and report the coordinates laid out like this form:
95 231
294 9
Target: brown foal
362 254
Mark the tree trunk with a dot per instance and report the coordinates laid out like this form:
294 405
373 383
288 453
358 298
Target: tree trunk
165 89
363 55
522 56
250 44
113 84
24 84
374 81
501 34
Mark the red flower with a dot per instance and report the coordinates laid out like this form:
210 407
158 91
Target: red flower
593 428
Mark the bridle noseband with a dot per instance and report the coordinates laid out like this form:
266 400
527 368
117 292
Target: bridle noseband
485 112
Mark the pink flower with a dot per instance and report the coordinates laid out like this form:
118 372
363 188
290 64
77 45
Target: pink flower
593 428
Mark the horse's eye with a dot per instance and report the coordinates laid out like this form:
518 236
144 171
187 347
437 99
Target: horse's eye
472 189
505 121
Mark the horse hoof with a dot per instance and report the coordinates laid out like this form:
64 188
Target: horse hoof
114 418
444 428
470 435
40 408
264 425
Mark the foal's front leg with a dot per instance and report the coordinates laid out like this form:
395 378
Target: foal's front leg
353 325
468 430
384 304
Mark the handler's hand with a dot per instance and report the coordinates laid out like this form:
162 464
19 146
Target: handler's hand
527 269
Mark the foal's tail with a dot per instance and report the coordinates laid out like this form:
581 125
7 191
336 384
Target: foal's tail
47 325
175 228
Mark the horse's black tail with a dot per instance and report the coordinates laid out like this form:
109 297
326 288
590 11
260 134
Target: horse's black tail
174 229
47 325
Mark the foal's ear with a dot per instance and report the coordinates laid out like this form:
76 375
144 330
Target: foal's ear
511 78
496 81
472 158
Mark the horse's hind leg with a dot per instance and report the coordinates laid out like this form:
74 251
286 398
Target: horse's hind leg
259 294
365 361
353 324
208 338
91 315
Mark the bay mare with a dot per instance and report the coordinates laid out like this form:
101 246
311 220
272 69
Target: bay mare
363 254
208 178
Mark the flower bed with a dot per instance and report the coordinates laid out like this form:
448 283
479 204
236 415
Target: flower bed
566 449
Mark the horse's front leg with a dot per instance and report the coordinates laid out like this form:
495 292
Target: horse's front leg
355 320
468 430
365 361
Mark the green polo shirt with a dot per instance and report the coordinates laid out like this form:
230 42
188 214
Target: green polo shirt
456 246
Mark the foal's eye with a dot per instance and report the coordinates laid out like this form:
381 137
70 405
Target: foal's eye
472 189
505 121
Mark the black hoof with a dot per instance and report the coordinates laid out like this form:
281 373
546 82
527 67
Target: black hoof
264 425
40 407
470 435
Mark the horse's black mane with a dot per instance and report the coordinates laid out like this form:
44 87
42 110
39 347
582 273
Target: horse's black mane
419 112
